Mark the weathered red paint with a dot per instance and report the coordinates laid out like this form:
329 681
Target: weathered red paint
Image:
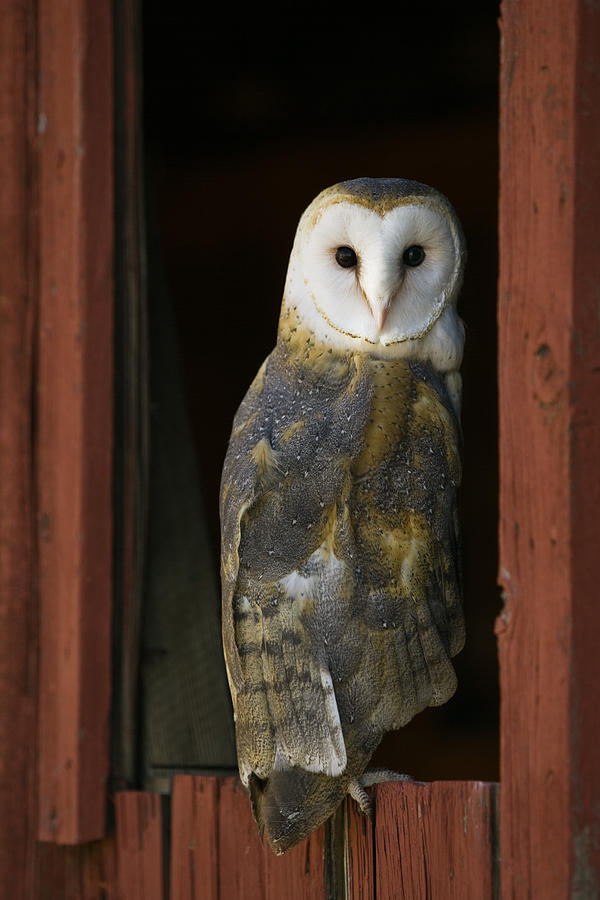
549 371
435 840
428 840
80 872
216 852
75 390
194 838
139 841
360 853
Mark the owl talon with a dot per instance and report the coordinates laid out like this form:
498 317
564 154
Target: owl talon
367 779
379 776
358 793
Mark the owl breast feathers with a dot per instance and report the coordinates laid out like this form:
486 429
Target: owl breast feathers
340 565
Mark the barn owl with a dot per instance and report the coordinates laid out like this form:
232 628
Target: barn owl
340 538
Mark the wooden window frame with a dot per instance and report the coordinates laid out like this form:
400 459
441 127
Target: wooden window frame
75 415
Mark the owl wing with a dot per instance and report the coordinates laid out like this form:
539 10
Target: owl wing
341 600
286 478
406 616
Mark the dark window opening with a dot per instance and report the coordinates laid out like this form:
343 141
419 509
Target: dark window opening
243 126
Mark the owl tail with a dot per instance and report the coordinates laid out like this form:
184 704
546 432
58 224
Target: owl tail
292 803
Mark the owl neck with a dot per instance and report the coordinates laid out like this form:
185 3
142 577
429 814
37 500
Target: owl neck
442 346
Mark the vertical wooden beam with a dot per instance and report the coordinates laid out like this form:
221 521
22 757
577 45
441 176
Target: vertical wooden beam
359 854
139 821
75 119
549 374
300 873
17 559
80 872
216 851
194 838
435 840
240 857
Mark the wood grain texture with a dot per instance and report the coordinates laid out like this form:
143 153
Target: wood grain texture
549 379
139 822
81 872
18 683
435 840
242 858
75 414
359 853
216 852
194 846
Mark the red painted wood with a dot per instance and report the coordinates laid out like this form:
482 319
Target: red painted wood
300 873
75 387
435 840
17 569
194 834
241 855
83 872
549 371
248 869
98 880
139 846
360 853
216 852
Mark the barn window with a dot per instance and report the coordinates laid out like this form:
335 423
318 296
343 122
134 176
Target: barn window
139 146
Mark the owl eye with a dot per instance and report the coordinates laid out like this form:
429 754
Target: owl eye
345 257
413 256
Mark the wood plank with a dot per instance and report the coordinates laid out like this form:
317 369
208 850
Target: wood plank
435 840
194 834
139 820
216 852
18 682
549 361
98 879
359 853
75 414
242 865
300 873
80 872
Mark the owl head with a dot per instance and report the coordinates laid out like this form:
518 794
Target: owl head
376 267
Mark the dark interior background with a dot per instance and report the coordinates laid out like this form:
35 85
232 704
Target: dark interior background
245 121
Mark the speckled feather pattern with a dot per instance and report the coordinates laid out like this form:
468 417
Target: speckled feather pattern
340 569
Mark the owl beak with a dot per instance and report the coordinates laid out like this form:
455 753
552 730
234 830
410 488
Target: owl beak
379 310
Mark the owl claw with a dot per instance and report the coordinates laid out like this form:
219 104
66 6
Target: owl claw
378 776
358 793
367 779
